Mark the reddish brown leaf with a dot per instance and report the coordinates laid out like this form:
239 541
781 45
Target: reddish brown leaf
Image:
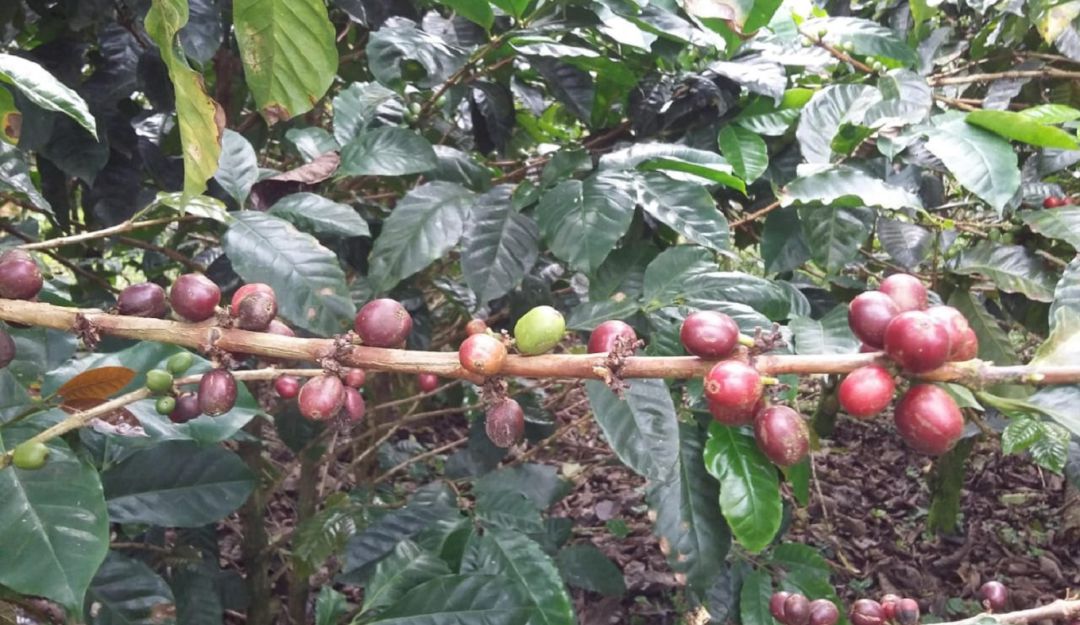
97 383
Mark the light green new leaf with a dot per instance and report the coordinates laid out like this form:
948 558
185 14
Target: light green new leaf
1051 113
45 90
1022 128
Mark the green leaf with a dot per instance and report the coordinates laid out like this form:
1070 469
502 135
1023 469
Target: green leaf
54 529
508 510
1067 292
264 248
330 607
45 90
356 106
1055 223
1020 434
512 7
681 162
847 186
1061 347
237 168
981 161
539 482
1018 127
400 43
685 207
424 225
826 112
515 557
404 569
754 599
500 245
319 215
463 599
586 567
865 37
642 428
946 484
289 54
828 335
177 484
200 118
386 151
749 486
835 233
783 244
692 533
1010 267
15 176
745 150
478 11
311 143
127 592
588 315
805 571
582 220
1051 113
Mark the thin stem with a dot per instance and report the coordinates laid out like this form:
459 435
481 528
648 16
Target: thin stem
82 237
1048 72
418 458
754 216
1062 609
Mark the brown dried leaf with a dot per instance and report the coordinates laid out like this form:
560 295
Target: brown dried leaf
97 383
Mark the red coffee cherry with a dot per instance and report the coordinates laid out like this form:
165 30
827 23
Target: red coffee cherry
709 334
1054 201
734 417
383 323
143 300
917 342
888 604
482 354
14 254
823 612
907 612
776 605
244 291
322 397
928 419
963 343
906 290
781 434
797 610
427 382
187 408
602 339
287 386
867 612
355 378
476 326
866 391
217 392
20 277
7 349
256 311
995 596
279 328
194 297
868 315
353 408
733 385
505 422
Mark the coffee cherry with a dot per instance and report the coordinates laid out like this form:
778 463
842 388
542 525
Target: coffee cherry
142 300
539 330
165 405
504 422
928 419
1054 201
963 343
907 612
917 342
776 604
866 349
888 604
287 386
733 385
797 610
602 339
280 329
906 290
995 596
244 291
217 392
383 323
256 311
868 315
734 417
866 391
476 326
823 612
427 382
709 334
353 407
20 277
187 408
159 381
179 363
29 456
781 434
322 397
194 297
867 612
14 254
482 354
355 378
7 349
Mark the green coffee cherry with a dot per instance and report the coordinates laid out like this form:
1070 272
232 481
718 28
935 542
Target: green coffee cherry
179 363
539 330
165 405
30 456
159 381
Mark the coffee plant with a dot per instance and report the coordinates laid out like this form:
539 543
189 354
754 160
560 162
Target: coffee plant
247 246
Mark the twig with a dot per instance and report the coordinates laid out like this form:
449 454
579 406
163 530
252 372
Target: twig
754 216
417 458
1062 609
1049 72
82 237
837 53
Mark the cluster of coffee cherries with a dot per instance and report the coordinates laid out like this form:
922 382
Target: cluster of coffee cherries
898 320
20 278
795 609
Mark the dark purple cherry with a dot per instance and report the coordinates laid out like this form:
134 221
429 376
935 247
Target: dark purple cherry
383 323
709 334
143 300
194 297
504 422
20 277
322 397
187 408
868 315
217 392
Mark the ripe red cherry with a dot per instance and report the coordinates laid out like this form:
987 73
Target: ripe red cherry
504 422
256 311
963 343
142 300
482 354
20 277
427 382
928 419
866 391
823 612
187 408
868 315
907 612
287 386
602 339
217 392
709 334
797 610
733 385
475 326
781 434
353 407
244 291
995 596
1054 201
383 323
906 290
917 342
734 417
194 297
776 604
7 349
322 397
888 604
867 612
355 378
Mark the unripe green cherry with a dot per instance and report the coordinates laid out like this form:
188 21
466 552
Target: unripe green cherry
178 364
158 381
29 455
165 405
539 330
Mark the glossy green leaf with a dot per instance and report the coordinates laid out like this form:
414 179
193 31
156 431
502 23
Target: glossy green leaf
826 111
749 486
539 482
500 245
237 168
754 598
127 592
588 315
515 557
404 569
865 37
487 599
582 220
835 233
846 186
330 607
1017 127
504 509
828 335
318 215
1067 292
1012 268
386 151
642 428
399 46
1051 113
15 176
586 567
745 150
981 161
356 106
1055 223
45 90
478 11
783 243
685 207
